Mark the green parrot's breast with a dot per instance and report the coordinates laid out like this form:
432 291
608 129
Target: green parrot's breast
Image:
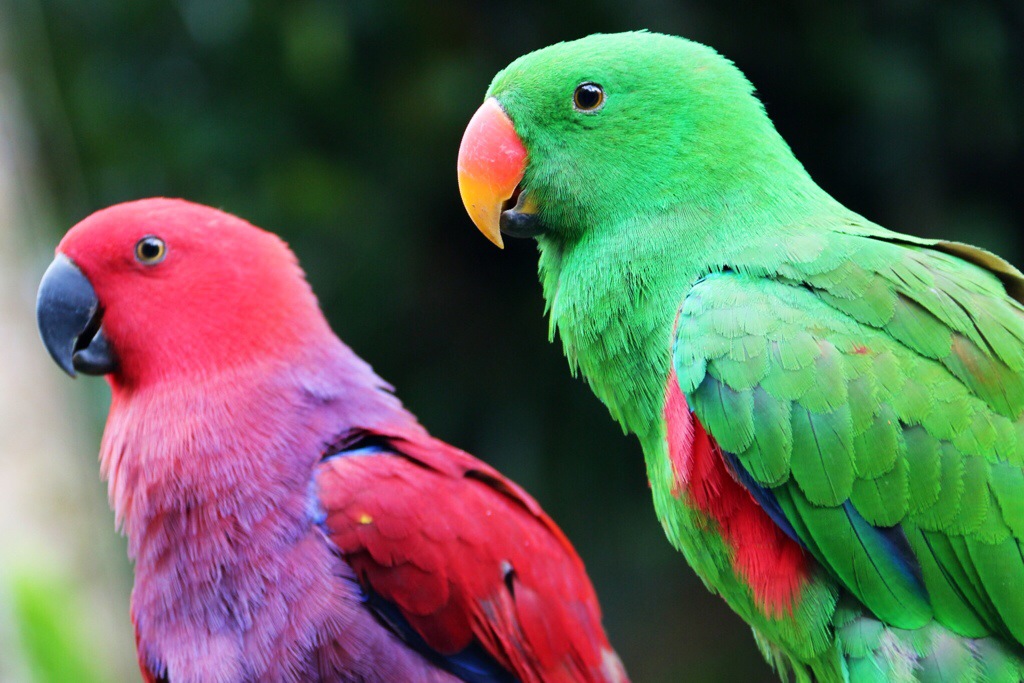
616 317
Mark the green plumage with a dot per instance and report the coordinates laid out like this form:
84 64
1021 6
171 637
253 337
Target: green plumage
869 384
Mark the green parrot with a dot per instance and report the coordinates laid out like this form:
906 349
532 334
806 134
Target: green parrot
830 412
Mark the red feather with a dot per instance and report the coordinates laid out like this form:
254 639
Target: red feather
466 555
770 562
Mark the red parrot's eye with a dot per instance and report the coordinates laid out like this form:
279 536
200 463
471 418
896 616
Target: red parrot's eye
588 97
150 250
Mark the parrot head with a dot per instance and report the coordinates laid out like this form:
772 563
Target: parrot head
591 132
163 287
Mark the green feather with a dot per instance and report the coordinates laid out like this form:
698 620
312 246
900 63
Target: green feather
922 457
854 552
885 499
878 446
768 457
913 326
974 505
1007 483
946 510
730 408
823 454
1001 571
951 661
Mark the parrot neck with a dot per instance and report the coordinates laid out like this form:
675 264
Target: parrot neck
613 294
213 484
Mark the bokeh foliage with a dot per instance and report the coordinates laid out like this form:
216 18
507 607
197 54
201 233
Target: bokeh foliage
336 124
53 631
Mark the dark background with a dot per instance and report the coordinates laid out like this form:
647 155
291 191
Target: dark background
337 125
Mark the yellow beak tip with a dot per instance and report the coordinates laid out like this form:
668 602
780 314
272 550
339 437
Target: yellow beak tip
492 161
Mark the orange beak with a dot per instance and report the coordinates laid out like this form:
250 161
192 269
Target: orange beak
492 161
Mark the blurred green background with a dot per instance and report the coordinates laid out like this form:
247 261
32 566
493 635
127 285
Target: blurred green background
336 124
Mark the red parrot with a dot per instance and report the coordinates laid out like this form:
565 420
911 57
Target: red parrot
288 519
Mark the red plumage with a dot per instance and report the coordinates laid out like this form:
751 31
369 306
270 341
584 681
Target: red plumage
771 563
466 555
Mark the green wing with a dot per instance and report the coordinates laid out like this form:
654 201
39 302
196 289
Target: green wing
872 394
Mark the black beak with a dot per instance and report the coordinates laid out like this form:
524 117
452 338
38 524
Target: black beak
520 220
69 318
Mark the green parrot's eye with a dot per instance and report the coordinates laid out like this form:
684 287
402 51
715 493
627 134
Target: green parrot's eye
150 250
588 97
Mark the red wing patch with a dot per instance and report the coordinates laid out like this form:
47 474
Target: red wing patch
768 560
465 556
